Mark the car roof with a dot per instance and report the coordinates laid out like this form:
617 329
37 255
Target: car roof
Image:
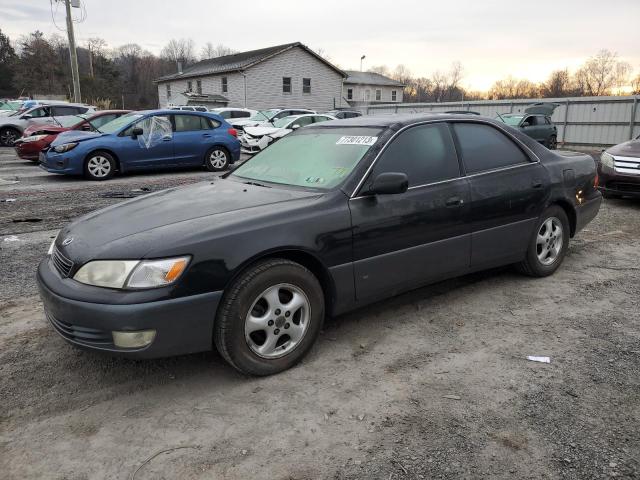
397 121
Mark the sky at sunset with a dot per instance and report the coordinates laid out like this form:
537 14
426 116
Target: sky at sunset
491 38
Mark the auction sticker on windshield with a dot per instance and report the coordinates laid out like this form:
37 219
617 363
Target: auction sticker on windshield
356 140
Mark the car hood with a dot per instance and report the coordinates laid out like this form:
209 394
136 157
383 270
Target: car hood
144 225
261 131
626 149
75 136
247 123
48 127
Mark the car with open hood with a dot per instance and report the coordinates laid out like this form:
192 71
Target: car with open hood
535 122
262 117
38 137
619 170
254 139
146 140
331 217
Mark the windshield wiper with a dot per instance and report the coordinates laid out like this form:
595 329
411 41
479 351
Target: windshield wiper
257 184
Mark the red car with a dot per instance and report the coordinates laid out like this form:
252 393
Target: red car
38 137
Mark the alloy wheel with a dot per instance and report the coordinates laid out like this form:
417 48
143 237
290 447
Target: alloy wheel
549 241
8 137
277 321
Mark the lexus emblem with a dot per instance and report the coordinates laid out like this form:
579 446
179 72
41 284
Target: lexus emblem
67 241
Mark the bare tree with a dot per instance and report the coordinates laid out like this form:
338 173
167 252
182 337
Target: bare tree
381 69
209 51
511 87
557 85
95 46
179 51
602 73
635 85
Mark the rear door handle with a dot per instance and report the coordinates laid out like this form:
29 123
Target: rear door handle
536 184
454 202
207 135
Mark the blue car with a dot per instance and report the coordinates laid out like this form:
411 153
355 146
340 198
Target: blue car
154 139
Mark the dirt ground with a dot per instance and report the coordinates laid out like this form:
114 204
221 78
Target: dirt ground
432 384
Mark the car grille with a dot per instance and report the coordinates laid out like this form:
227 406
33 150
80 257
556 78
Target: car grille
628 165
624 187
76 333
61 263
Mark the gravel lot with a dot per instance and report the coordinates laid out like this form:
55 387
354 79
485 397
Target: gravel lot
432 384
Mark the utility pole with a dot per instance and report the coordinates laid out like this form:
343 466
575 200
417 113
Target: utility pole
73 54
361 59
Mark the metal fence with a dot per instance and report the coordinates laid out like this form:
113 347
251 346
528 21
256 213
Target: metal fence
581 121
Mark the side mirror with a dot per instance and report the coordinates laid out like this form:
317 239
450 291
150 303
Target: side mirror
389 183
295 127
86 127
136 131
27 117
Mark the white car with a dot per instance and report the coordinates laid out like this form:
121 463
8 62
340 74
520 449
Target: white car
190 108
258 138
230 113
12 126
268 116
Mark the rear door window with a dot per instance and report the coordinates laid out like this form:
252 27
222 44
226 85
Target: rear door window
425 153
483 148
188 123
240 114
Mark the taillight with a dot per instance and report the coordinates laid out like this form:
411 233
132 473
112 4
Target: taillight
233 131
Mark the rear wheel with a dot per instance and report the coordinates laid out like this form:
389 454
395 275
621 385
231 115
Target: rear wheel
217 159
269 317
8 136
548 245
552 143
99 166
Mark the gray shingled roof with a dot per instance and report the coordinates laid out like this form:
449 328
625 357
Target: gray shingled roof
356 77
239 61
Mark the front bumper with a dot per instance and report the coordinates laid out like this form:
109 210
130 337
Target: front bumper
183 325
615 183
64 163
28 150
252 145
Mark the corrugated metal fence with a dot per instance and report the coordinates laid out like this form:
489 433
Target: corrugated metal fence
581 121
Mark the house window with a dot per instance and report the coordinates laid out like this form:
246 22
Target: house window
349 93
393 95
168 91
199 86
306 85
286 84
225 86
189 86
378 95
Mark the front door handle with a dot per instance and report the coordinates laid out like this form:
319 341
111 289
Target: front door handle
536 184
454 202
206 135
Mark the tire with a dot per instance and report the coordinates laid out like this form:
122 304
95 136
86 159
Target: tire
8 136
536 264
99 166
552 143
255 331
217 159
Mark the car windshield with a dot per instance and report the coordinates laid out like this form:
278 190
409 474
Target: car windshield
282 122
513 120
10 106
114 125
69 120
318 158
263 115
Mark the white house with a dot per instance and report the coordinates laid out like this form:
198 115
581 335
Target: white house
290 75
365 88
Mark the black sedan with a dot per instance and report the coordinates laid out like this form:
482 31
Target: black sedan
328 219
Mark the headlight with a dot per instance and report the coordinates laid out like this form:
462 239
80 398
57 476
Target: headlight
32 138
607 159
65 147
132 273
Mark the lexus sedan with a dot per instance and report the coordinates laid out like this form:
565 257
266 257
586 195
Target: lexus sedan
330 218
153 139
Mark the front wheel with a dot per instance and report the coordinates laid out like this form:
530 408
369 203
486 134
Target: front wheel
269 317
8 136
548 245
99 166
552 143
217 159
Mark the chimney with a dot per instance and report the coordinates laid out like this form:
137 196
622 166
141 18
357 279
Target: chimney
179 67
